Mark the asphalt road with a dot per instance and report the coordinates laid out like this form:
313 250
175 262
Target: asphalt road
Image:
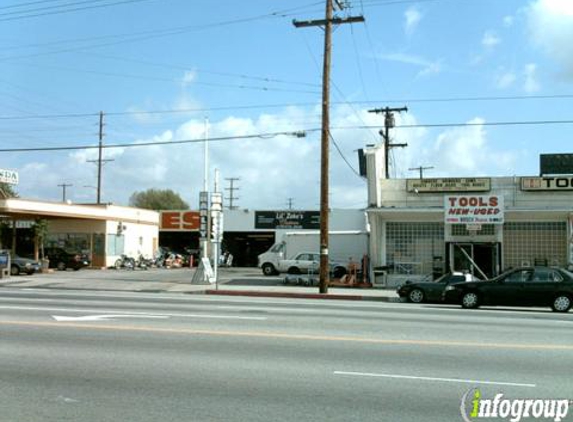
89 356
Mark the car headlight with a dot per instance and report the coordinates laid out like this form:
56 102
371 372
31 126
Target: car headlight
450 288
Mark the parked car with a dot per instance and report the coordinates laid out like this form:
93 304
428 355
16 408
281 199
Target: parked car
431 291
19 265
524 286
62 259
308 262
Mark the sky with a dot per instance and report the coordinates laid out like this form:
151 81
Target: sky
488 85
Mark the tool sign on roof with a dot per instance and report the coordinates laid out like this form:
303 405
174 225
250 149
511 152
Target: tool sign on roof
473 209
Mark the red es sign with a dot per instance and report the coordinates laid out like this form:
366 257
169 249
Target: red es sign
180 221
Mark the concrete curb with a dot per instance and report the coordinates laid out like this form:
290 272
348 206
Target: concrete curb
327 296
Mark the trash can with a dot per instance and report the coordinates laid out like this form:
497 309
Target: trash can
4 263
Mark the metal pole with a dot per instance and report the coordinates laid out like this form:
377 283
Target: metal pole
216 237
99 160
206 187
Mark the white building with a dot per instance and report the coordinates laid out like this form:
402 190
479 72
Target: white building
421 227
104 231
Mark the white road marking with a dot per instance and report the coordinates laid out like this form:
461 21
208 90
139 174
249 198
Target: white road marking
83 311
465 381
103 317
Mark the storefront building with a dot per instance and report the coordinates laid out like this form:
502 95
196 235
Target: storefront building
249 233
425 227
103 232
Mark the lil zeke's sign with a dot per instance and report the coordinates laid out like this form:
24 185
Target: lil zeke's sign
473 209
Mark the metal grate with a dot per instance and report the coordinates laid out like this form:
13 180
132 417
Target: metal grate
411 248
535 243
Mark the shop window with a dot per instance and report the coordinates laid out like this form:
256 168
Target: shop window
413 248
535 243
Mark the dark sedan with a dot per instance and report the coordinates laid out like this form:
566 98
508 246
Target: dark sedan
525 286
62 259
431 291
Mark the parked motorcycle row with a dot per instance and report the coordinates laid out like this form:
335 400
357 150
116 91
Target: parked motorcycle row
163 258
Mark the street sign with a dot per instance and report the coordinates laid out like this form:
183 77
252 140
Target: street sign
8 176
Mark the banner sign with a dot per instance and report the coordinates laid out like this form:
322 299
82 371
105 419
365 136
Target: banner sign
176 221
287 220
546 183
556 163
473 209
8 176
463 184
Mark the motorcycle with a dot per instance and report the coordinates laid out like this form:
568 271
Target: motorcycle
125 262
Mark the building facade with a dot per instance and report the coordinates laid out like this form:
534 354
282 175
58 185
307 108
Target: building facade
424 227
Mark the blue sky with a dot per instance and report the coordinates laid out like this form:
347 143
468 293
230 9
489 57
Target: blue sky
158 68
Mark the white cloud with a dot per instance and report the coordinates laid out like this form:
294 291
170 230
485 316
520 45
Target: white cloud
551 29
271 168
188 78
530 84
505 80
508 21
455 152
412 18
490 39
428 67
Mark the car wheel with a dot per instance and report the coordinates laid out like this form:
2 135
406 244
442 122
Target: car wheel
293 270
30 272
470 300
268 269
61 266
338 272
562 303
14 270
416 296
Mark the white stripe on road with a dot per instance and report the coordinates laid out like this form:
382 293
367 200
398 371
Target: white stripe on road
100 311
465 381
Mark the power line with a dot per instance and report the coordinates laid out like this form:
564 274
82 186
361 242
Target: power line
299 133
32 14
145 144
303 104
344 158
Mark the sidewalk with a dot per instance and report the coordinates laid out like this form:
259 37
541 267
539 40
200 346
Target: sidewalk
232 282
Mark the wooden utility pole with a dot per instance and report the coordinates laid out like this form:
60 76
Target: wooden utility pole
232 188
100 161
327 23
389 123
421 170
64 186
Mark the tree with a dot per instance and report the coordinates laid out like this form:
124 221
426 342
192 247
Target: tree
8 190
40 230
157 200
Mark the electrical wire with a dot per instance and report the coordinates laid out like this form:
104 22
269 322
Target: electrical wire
343 157
297 134
32 14
281 105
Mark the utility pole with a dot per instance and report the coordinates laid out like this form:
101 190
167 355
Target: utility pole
389 122
421 170
64 186
327 23
290 203
100 161
232 189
